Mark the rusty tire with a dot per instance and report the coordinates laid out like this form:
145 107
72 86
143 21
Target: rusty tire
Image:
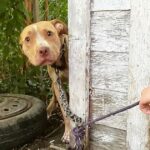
22 118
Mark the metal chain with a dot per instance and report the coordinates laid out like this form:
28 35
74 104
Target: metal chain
78 131
64 102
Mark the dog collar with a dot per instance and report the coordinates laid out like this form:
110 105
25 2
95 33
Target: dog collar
62 65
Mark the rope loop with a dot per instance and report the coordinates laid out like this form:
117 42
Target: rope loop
79 133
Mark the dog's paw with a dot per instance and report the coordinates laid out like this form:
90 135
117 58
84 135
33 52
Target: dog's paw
66 137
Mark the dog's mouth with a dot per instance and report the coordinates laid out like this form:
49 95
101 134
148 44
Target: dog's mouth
46 62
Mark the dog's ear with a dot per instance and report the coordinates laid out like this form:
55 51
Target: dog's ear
60 26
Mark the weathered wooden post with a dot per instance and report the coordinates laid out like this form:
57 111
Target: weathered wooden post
79 22
138 130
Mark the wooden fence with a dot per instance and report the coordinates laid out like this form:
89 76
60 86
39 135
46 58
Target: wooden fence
109 66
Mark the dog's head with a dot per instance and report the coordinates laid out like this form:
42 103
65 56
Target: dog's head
41 41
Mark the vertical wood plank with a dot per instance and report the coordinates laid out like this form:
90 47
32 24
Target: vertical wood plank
138 137
79 25
79 43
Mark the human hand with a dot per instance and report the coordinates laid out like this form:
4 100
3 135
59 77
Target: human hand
145 101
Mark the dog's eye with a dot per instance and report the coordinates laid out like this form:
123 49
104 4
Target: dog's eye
49 33
27 39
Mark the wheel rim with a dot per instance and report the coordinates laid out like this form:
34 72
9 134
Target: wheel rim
11 106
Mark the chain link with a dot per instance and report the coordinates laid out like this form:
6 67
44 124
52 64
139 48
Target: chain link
64 102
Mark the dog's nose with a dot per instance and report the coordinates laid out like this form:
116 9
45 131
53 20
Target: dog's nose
43 51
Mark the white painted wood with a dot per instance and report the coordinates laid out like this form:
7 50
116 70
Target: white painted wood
138 137
110 31
106 138
78 78
79 19
109 75
109 71
106 101
109 65
99 5
79 42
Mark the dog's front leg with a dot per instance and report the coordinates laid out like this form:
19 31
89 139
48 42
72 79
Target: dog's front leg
52 104
66 136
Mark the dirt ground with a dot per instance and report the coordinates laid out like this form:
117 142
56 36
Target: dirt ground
51 139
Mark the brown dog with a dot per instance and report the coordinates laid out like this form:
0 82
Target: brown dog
42 43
